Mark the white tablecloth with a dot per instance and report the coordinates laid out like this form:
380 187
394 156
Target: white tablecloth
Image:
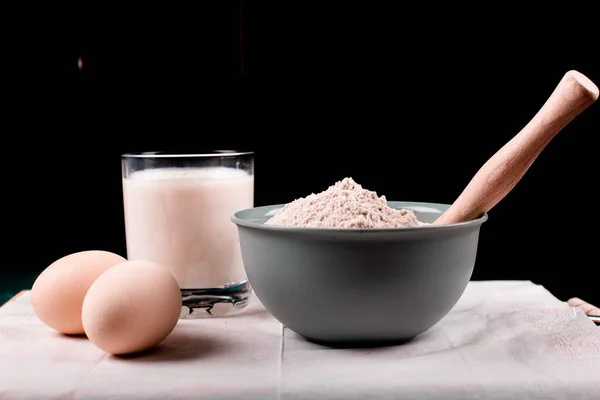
503 340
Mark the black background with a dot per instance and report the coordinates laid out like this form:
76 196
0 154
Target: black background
409 102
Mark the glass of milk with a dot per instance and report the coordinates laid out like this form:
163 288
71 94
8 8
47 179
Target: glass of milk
178 209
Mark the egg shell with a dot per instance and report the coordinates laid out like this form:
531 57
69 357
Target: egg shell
58 292
131 307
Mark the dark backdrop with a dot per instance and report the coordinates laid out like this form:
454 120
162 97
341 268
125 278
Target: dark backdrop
408 102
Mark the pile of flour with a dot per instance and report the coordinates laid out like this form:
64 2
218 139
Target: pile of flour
343 205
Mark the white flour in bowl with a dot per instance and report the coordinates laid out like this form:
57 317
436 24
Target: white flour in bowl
343 205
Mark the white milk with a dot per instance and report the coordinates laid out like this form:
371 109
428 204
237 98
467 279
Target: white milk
181 218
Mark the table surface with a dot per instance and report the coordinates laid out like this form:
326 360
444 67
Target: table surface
502 340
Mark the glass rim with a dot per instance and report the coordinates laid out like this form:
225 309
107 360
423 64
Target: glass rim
175 154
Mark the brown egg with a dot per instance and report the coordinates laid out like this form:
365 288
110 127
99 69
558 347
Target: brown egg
58 292
131 307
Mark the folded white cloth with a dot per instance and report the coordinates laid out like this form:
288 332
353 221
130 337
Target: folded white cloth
502 340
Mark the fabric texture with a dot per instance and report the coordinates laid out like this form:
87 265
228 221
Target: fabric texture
502 340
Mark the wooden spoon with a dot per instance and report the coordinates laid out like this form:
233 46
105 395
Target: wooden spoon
573 94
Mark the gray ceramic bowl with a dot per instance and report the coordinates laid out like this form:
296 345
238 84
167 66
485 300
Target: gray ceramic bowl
349 286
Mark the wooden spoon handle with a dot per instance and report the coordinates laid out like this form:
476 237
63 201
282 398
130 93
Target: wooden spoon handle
498 176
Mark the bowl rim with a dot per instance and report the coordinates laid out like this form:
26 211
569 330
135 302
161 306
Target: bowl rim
235 218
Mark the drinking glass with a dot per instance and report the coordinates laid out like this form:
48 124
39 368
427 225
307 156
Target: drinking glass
178 209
